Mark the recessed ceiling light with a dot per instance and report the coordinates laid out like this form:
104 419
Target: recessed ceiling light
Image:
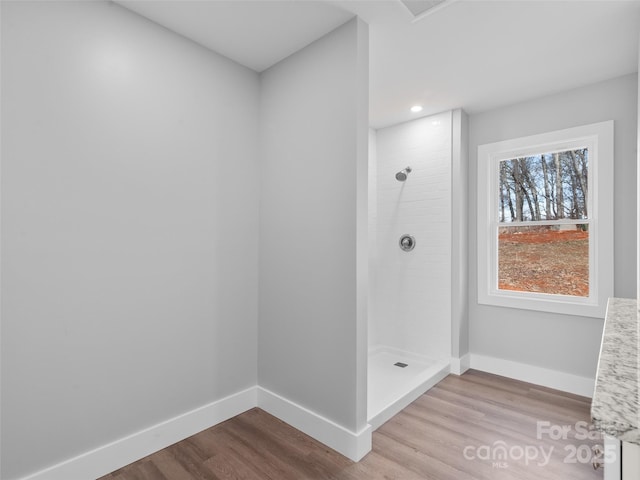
416 108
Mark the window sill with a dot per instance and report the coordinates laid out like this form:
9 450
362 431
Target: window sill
561 304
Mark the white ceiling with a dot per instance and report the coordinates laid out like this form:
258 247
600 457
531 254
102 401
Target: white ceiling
254 33
470 54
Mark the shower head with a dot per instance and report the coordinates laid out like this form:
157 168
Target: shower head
401 176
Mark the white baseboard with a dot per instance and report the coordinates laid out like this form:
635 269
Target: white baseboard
115 455
107 458
353 445
566 382
460 365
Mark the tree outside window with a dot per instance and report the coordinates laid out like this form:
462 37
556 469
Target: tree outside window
545 221
548 255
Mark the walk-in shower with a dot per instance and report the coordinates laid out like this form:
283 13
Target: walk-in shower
410 263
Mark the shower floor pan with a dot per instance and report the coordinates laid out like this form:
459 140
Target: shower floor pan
391 387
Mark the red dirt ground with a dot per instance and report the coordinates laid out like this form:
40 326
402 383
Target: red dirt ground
555 262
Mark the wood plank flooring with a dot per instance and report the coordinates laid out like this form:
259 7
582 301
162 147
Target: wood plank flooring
453 432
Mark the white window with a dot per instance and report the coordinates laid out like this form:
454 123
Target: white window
545 221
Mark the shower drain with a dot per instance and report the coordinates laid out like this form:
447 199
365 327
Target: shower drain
401 365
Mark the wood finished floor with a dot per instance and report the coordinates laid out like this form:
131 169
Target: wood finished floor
472 413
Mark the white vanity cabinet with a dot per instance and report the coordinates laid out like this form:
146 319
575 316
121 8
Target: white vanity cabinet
630 461
612 458
621 460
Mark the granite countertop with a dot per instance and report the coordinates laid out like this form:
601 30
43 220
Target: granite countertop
615 408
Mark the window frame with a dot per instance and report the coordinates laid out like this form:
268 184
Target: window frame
598 138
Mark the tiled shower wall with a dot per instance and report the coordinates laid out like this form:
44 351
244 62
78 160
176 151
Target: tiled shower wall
411 291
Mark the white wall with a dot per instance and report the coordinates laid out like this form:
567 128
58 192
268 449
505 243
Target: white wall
413 290
129 228
459 236
312 220
373 235
562 343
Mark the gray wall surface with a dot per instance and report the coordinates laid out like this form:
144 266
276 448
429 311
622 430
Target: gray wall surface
129 228
314 155
460 235
560 342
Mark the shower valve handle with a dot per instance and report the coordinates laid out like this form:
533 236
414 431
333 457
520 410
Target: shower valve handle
407 242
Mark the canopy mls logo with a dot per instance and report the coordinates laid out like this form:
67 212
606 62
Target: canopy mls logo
499 453
584 431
